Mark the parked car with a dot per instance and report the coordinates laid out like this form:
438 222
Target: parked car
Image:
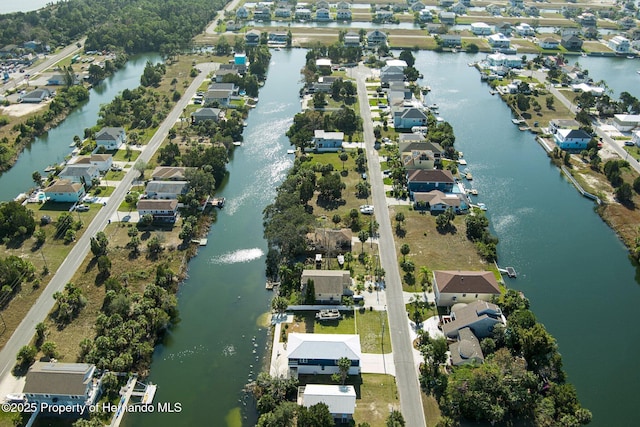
82 208
366 209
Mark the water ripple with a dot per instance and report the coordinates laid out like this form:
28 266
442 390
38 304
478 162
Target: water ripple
242 255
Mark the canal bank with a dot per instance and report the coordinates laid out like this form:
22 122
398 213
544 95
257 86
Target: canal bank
53 146
218 345
571 265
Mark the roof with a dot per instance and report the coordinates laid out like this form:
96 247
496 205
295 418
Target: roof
469 314
64 186
166 186
321 134
631 118
169 172
221 93
37 94
206 112
59 378
341 399
573 134
436 197
323 346
460 282
413 113
396 63
432 175
80 170
327 281
100 157
109 134
323 62
467 349
157 205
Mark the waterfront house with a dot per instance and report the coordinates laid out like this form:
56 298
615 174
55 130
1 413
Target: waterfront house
408 117
252 38
556 124
162 211
517 4
233 26
60 79
204 114
318 354
343 15
327 141
499 41
228 71
437 202
63 190
340 399
436 28
459 8
445 3
627 23
466 350
587 19
451 40
322 4
329 285
549 43
502 60
322 15
55 383
419 157
390 73
102 161
82 173
169 173
35 96
166 189
452 287
619 44
303 14
376 38
283 12
423 181
635 137
323 84
525 30
383 16
571 42
343 5
111 138
447 18
493 9
352 39
219 97
278 37
425 15
324 64
481 29
626 122
479 316
409 142
242 13
262 13
504 28
329 240
417 6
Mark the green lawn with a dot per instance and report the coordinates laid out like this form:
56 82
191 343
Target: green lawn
370 326
114 176
378 393
104 191
121 155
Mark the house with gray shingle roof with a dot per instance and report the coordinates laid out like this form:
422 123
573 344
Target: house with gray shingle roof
82 173
169 173
166 189
452 287
35 96
62 384
408 117
111 138
204 114
329 285
479 316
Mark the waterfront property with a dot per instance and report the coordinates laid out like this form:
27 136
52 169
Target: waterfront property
437 202
481 29
452 287
82 173
35 96
64 190
162 211
318 354
479 316
328 240
341 399
423 181
626 122
549 43
165 189
326 141
376 38
111 138
169 173
415 146
351 38
466 350
57 383
204 114
619 44
329 285
572 139
252 38
571 42
102 161
408 117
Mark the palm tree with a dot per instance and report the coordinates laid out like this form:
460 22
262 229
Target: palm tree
425 276
363 235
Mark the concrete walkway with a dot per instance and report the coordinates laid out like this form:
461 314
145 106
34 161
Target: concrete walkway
371 363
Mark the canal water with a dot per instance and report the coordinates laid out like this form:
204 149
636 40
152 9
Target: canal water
571 266
219 344
9 6
53 146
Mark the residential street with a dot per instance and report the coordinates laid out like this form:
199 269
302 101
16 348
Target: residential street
26 330
406 374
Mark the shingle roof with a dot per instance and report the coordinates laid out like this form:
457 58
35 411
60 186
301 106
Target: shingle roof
164 205
432 175
58 378
459 282
323 346
63 186
109 134
327 281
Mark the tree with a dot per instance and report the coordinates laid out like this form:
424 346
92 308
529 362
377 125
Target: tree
400 218
636 185
317 415
363 235
344 364
37 178
26 356
140 166
49 349
40 237
336 219
550 100
154 246
522 101
395 419
624 193
343 156
404 250
41 332
99 244
104 265
279 304
330 187
319 100
407 56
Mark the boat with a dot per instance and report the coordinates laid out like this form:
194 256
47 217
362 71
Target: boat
50 168
291 151
15 398
482 206
493 92
237 143
467 175
462 162
630 57
472 191
329 314
218 203
433 106
270 285
277 49
584 54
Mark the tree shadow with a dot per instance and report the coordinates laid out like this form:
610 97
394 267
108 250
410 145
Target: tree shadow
15 243
330 205
92 263
344 173
401 232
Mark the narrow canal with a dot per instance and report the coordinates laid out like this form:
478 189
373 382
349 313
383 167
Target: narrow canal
219 344
53 146
571 265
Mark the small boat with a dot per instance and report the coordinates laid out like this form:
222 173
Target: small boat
472 191
329 314
630 57
482 206
584 54
237 143
493 92
420 76
468 176
433 106
277 49
291 151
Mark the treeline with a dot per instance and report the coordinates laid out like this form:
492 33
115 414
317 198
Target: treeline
134 25
521 378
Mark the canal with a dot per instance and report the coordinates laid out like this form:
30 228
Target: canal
219 344
571 266
53 146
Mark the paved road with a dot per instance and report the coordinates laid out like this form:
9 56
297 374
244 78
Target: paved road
47 63
406 374
211 29
25 331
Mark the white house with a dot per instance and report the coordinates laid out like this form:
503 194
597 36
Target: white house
319 353
64 190
111 138
65 384
220 96
82 173
425 15
636 138
436 202
502 60
102 161
626 122
499 41
549 43
161 210
341 399
327 141
166 189
452 287
408 117
328 285
343 5
481 29
619 44
525 30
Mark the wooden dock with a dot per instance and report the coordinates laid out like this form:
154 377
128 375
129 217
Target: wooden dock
270 285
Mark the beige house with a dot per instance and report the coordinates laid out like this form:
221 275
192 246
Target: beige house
452 287
329 285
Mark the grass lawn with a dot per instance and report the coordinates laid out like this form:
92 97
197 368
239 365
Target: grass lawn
121 155
114 175
104 191
431 409
351 102
370 328
378 396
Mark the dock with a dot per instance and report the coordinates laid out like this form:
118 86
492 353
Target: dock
270 285
218 203
509 271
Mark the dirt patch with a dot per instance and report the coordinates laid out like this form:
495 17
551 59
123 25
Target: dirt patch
19 110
